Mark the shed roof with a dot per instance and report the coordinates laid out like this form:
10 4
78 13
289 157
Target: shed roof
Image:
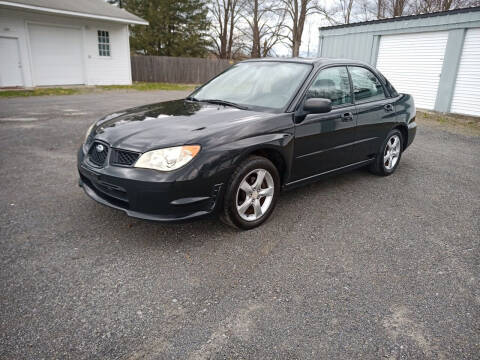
402 18
95 9
304 60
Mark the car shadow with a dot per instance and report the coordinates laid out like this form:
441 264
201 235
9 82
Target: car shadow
196 232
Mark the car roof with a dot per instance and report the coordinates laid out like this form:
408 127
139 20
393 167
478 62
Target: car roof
319 61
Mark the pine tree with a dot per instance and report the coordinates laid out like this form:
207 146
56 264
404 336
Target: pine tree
177 27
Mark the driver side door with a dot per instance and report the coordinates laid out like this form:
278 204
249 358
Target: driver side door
324 142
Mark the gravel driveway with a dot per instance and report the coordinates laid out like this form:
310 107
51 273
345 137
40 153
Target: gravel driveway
356 266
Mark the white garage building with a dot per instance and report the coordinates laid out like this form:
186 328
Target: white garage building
435 57
64 42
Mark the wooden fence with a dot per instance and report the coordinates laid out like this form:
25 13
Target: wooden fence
176 69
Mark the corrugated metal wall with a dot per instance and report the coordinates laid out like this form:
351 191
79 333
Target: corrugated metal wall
351 46
361 42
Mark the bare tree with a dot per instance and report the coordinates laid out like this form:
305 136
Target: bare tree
364 10
381 9
428 6
398 7
391 8
345 8
296 13
225 15
350 11
347 11
408 7
388 8
263 28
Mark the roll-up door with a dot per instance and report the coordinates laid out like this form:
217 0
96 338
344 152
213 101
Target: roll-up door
413 64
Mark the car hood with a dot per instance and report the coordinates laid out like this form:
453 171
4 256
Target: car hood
171 123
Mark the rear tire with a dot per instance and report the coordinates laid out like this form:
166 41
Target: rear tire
389 155
251 193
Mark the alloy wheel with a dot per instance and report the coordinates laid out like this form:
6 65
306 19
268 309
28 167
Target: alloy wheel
392 152
255 194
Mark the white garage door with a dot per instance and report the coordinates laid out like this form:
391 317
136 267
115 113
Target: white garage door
56 55
466 97
413 64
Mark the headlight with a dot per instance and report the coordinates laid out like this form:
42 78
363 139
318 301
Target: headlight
90 128
168 159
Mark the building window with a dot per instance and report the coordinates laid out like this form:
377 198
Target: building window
103 43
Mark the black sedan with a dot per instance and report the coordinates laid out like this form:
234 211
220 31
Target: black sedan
237 141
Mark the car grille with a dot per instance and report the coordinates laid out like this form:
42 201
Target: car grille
98 153
123 158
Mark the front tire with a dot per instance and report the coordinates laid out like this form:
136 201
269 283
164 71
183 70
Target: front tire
251 193
389 156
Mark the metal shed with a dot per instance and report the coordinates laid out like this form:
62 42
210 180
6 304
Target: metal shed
435 57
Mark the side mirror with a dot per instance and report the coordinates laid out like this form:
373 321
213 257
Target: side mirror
317 105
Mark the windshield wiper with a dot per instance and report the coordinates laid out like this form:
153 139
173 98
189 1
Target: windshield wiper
223 102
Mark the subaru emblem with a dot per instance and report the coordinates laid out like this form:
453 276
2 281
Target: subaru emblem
100 147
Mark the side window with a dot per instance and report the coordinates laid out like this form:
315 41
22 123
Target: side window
332 83
366 86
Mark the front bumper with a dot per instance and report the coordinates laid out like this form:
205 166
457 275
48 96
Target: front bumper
148 194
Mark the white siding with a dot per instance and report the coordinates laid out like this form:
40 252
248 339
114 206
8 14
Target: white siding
466 97
96 70
103 70
413 64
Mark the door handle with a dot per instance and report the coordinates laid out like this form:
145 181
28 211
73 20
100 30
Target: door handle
388 107
348 116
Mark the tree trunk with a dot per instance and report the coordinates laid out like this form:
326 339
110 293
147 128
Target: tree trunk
398 7
224 32
301 23
255 53
380 14
233 4
446 5
297 11
348 12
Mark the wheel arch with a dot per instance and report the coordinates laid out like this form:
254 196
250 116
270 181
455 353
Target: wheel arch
276 157
277 147
272 153
404 130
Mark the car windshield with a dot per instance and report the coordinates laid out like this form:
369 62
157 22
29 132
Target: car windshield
265 84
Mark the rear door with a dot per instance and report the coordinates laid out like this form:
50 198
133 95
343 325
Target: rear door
375 112
324 142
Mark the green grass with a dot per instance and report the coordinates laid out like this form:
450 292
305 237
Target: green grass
139 86
457 123
39 92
